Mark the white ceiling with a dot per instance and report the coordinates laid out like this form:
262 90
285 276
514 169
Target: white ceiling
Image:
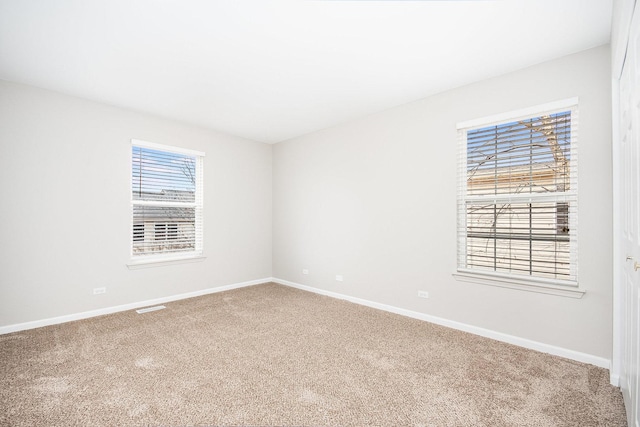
273 70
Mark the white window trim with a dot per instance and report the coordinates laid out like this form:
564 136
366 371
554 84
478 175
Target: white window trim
163 259
163 147
531 284
159 261
524 284
519 114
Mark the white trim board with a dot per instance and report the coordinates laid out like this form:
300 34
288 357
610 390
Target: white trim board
523 112
125 307
498 336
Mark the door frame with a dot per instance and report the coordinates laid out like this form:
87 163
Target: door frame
623 11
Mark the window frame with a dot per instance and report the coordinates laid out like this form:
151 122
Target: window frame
171 229
553 286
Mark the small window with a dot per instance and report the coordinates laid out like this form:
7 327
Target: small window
138 232
562 218
166 200
172 231
160 231
517 201
166 231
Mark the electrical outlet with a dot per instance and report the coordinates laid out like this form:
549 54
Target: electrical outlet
97 291
423 294
305 271
339 278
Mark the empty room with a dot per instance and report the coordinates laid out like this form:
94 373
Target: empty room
319 213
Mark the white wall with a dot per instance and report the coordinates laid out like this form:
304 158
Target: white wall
64 206
375 201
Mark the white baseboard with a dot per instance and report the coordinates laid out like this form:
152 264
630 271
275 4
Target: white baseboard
108 310
498 336
614 379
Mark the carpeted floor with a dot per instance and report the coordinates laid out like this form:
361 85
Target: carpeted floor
269 355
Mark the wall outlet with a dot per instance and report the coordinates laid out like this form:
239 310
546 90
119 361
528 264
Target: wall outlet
339 277
97 291
423 294
305 271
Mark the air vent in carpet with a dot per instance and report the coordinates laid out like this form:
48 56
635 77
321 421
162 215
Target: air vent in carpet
148 309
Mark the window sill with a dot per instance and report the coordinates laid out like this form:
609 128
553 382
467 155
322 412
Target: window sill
519 284
135 264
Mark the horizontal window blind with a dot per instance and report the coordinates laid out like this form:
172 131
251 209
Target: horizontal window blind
167 201
517 197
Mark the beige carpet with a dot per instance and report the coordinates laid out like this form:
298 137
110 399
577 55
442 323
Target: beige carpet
270 355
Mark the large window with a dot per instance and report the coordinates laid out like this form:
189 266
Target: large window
517 201
166 201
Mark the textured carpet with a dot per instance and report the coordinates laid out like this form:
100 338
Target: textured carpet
270 355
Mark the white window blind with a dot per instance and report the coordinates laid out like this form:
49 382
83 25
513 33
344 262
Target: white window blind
517 197
166 201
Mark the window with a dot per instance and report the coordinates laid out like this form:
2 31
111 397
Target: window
138 232
517 199
166 201
165 231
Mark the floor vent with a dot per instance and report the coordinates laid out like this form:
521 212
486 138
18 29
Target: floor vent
148 309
